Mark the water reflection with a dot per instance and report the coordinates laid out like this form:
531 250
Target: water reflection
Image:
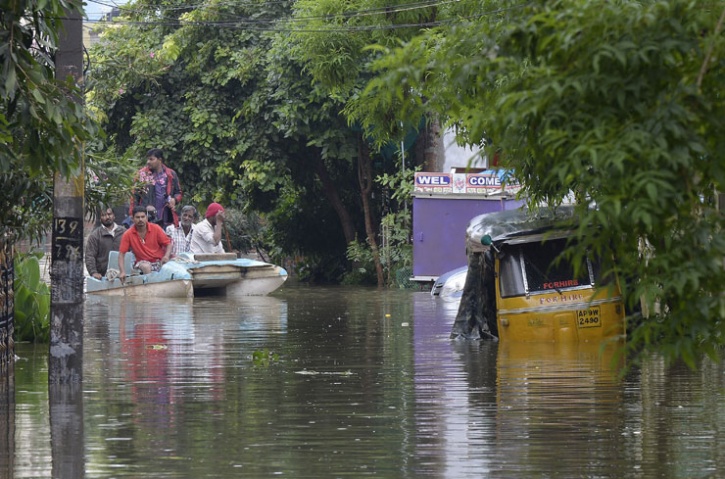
350 382
7 420
31 445
556 405
455 395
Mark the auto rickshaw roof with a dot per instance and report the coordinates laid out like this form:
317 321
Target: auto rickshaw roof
503 226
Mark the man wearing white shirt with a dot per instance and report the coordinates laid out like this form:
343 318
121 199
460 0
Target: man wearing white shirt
207 237
182 235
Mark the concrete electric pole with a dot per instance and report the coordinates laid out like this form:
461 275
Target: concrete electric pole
66 322
65 368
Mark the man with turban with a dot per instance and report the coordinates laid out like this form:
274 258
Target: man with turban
207 236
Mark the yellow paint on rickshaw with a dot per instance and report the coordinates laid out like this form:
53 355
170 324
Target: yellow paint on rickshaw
584 314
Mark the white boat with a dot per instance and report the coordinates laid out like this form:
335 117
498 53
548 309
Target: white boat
190 274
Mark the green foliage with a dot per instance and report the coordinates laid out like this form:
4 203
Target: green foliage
32 301
264 357
395 249
42 127
41 124
247 233
234 115
246 116
109 180
306 230
195 91
400 183
618 102
363 270
396 252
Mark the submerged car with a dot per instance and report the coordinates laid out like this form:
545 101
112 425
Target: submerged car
449 285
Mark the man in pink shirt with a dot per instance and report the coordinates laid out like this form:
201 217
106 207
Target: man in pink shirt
147 241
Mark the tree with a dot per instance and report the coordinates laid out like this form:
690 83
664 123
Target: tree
241 120
336 46
618 102
42 128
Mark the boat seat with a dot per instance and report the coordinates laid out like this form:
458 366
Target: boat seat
129 260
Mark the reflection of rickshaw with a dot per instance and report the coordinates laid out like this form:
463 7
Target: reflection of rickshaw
554 401
519 287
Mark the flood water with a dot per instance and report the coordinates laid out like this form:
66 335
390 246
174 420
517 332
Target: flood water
318 382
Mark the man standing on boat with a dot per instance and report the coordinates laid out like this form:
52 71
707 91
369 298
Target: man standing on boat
147 242
101 241
161 188
181 235
207 236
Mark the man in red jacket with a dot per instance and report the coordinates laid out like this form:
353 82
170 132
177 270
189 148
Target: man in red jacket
161 189
147 241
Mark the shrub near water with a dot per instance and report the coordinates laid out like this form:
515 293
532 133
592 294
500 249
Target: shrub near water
32 301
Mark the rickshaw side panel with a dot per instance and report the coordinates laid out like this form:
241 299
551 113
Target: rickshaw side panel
576 315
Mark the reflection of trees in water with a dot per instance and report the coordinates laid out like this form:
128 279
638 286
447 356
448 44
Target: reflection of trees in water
7 420
682 424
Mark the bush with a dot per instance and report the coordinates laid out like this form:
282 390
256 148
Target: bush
32 301
246 233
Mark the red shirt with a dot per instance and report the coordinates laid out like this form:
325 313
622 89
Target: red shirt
152 248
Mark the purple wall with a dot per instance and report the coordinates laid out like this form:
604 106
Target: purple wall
439 230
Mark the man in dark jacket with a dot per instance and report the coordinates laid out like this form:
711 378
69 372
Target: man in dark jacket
160 188
101 241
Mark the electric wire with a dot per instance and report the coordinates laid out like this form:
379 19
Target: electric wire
130 7
286 25
348 15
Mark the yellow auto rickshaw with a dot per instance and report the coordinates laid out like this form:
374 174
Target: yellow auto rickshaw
520 287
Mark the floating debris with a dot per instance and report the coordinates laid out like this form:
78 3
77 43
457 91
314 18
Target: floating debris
328 373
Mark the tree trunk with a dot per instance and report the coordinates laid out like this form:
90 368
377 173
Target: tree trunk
365 177
429 145
333 197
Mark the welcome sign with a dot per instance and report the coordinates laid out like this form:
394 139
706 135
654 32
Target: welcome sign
488 182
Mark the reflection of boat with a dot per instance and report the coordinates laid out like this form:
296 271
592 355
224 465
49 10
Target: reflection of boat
520 287
189 274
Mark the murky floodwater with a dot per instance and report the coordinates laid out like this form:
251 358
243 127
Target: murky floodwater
341 382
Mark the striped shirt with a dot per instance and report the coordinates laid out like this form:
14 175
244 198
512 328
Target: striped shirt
181 241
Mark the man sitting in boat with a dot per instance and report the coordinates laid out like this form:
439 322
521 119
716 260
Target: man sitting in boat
207 237
104 239
181 235
147 241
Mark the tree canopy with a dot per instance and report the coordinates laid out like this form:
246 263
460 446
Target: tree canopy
232 97
42 126
617 103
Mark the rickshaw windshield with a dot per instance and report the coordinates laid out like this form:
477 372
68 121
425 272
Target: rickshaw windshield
536 268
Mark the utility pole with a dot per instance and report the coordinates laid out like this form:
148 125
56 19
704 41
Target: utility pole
65 361
66 325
